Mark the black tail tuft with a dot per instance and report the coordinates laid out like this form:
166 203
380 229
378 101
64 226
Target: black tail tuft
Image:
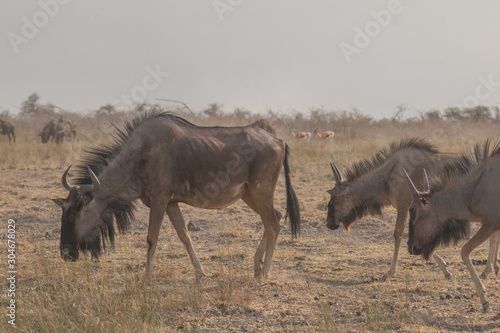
292 203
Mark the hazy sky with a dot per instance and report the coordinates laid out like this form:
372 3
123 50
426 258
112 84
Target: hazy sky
288 55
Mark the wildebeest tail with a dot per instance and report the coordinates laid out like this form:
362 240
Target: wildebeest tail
292 203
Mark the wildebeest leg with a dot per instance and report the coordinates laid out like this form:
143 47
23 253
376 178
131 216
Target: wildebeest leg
270 218
156 212
175 216
401 216
492 264
442 265
482 235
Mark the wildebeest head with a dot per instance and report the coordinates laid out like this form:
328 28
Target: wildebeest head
80 223
346 206
430 224
339 204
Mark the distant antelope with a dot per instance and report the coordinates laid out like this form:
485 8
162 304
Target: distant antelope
443 212
372 184
301 136
328 135
163 160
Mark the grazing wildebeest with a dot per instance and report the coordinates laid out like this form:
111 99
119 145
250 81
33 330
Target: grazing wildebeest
8 129
327 135
443 212
379 182
58 130
265 125
301 136
163 160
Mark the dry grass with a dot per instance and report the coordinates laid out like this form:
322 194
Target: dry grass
321 282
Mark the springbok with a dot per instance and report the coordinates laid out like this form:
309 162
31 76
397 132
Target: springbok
301 136
376 183
164 160
8 129
443 212
325 136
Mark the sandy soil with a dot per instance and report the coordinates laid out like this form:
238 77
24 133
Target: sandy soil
324 281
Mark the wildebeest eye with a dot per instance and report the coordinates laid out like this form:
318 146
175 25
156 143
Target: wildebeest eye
87 198
424 201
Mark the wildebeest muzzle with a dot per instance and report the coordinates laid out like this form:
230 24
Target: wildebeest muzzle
69 252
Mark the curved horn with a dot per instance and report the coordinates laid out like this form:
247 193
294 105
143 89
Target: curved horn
427 188
413 189
90 187
64 180
336 174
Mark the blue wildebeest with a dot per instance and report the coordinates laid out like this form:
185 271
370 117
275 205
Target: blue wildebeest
372 184
164 160
443 212
7 128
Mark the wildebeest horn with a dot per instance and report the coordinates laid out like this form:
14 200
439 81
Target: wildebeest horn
426 182
413 189
336 174
65 182
90 187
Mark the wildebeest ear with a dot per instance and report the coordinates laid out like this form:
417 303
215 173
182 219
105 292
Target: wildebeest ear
59 201
334 192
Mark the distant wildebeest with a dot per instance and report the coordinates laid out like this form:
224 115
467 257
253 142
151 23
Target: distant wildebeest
327 135
164 160
306 136
443 212
58 130
265 125
379 182
8 129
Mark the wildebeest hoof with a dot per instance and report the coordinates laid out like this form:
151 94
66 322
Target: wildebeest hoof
200 276
486 306
448 276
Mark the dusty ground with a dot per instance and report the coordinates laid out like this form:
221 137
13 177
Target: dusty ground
324 281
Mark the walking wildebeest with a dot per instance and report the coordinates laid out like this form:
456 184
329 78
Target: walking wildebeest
8 129
265 125
443 212
58 130
163 160
379 182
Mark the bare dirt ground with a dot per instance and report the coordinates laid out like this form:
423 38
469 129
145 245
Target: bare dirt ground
323 281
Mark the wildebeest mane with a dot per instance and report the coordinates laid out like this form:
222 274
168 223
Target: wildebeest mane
364 166
98 158
448 232
464 165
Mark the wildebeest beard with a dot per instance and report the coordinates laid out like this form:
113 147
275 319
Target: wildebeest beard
449 232
361 209
103 234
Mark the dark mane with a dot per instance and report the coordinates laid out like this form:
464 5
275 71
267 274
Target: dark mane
363 167
464 165
119 210
98 158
